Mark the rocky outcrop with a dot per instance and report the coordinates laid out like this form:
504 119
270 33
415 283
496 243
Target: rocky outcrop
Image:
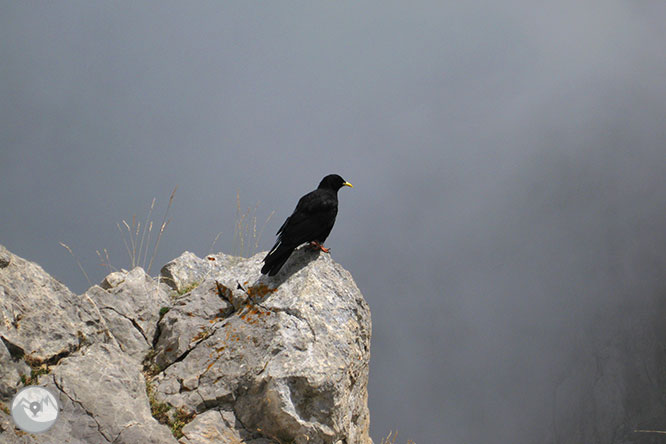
208 352
283 358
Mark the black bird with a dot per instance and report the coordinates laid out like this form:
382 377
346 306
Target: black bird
311 221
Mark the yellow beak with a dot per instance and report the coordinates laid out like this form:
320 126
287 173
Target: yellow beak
347 184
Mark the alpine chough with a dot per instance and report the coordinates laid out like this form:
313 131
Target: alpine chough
311 221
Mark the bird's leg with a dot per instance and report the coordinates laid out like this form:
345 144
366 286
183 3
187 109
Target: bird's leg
319 246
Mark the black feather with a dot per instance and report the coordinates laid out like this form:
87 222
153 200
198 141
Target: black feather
312 220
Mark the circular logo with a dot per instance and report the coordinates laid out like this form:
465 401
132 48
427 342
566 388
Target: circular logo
34 409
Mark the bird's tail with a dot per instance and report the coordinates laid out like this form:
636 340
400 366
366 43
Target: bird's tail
275 259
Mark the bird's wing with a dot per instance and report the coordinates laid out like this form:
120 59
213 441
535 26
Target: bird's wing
314 214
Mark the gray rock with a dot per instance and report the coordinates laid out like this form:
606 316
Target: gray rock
11 435
104 399
5 257
186 271
246 358
11 370
39 316
188 321
214 426
292 365
130 303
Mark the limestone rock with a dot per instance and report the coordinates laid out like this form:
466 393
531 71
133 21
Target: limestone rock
230 355
189 317
11 369
291 364
40 318
105 399
130 303
186 271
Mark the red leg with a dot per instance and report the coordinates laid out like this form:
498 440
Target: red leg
320 246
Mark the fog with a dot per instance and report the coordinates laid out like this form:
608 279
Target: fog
508 162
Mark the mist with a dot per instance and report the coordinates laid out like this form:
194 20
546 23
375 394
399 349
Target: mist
507 218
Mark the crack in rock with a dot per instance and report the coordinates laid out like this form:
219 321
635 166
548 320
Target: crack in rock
92 416
134 323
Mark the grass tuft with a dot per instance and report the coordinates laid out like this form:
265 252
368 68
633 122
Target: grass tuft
136 238
180 419
166 414
137 242
35 373
246 236
163 226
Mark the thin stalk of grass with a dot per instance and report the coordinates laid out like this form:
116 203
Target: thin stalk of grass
136 239
104 263
145 227
77 262
163 226
391 439
388 439
212 245
258 238
238 228
129 252
131 239
131 249
145 253
246 237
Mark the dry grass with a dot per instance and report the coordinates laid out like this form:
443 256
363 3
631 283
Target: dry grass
390 439
136 238
246 236
77 262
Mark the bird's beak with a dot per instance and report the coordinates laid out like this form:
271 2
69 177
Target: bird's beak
347 184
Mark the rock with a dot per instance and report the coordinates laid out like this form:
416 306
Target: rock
105 399
130 303
113 280
189 316
235 357
11 370
291 367
5 257
186 271
41 319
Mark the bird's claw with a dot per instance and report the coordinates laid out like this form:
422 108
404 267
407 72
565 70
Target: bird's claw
319 246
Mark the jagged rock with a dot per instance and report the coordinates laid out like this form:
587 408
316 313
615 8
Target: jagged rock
11 369
292 366
5 257
185 272
216 426
130 303
189 316
105 399
39 317
241 357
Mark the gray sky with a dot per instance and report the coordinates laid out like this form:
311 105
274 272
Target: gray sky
507 161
